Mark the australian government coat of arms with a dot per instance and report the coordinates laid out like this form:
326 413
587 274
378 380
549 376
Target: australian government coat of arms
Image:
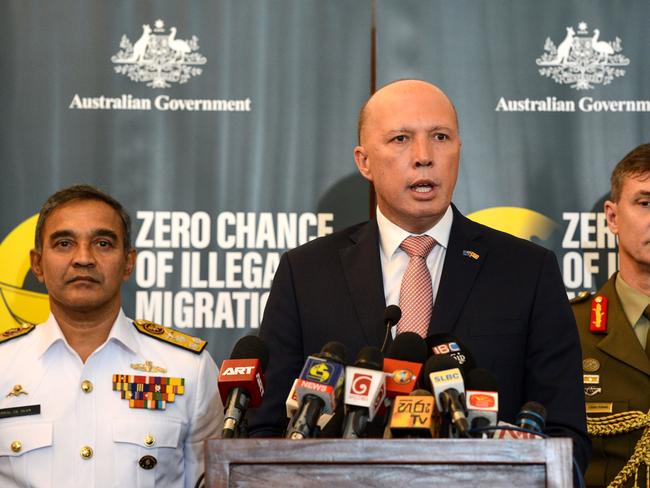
582 59
158 57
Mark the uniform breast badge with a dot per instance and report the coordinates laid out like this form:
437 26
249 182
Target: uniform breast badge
590 365
598 322
148 367
150 392
16 391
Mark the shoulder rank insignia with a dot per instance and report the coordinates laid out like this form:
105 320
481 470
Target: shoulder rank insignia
22 330
598 321
580 297
170 336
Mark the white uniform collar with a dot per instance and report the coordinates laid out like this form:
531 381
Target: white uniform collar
391 235
122 331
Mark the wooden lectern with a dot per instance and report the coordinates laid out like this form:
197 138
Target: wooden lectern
394 463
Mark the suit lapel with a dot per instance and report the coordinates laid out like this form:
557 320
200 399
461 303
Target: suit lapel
362 269
463 260
621 342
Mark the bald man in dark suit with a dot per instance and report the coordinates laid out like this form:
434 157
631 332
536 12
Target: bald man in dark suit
502 296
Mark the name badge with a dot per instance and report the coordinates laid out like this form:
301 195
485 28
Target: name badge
600 407
21 411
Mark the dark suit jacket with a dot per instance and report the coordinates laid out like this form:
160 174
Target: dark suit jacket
509 307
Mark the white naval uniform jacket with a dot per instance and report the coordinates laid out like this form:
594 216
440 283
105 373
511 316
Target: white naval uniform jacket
51 373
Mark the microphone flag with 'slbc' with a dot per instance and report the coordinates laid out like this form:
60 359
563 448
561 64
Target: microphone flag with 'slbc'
449 391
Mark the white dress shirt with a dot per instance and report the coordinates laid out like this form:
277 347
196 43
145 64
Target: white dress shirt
394 259
51 372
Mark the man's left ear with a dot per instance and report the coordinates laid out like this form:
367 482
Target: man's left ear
130 264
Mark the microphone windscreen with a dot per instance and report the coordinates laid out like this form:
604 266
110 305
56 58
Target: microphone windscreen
370 358
392 314
481 379
335 351
532 416
251 347
439 363
440 344
408 346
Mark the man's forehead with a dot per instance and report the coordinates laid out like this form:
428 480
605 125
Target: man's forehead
408 103
87 216
637 178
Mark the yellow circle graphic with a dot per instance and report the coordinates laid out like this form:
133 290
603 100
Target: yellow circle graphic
18 305
517 221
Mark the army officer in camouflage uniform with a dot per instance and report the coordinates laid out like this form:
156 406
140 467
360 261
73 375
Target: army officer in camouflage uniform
613 326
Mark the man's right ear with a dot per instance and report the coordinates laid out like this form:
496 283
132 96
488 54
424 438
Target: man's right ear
35 260
361 159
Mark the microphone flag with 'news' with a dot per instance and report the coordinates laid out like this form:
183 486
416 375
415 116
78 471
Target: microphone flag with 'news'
365 390
482 399
449 391
414 416
291 405
318 389
241 381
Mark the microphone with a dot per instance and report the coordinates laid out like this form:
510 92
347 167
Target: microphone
531 417
403 363
241 381
291 405
529 423
448 345
482 399
365 390
449 390
402 366
392 314
414 416
318 389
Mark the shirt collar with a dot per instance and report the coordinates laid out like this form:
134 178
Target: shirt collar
633 301
122 331
391 235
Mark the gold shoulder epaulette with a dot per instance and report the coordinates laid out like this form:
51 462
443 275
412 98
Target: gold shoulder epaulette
170 336
580 297
24 329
